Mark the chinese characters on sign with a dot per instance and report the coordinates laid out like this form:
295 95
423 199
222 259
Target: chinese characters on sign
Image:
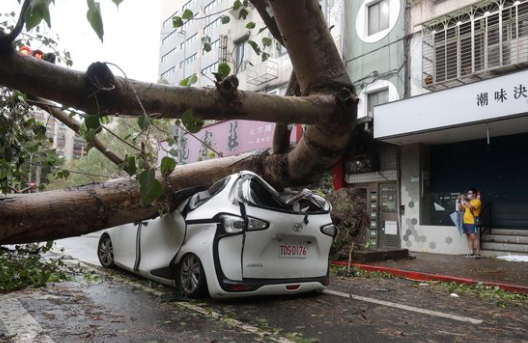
501 95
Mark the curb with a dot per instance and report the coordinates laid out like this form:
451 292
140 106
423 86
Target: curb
421 276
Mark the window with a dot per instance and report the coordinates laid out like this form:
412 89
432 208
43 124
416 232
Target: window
188 5
376 98
165 75
213 68
208 9
475 41
241 54
168 55
378 17
209 27
189 41
168 37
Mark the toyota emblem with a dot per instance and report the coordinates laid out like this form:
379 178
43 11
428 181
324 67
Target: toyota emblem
297 227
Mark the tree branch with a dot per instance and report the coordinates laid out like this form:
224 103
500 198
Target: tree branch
8 39
72 88
75 125
270 22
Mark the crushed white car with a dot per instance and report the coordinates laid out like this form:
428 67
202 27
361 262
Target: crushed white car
240 237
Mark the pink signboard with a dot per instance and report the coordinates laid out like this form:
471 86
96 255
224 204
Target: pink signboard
230 137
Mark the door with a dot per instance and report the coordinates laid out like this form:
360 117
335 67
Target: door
389 232
124 241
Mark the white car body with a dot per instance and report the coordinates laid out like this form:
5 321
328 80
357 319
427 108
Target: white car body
248 240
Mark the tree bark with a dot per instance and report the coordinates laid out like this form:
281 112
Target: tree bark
115 95
327 102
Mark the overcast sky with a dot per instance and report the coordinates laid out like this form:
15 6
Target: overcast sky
131 40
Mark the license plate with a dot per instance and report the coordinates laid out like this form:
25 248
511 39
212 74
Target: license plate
293 250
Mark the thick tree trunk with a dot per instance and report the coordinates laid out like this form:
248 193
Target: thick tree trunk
326 102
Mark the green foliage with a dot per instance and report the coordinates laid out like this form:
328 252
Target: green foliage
501 297
25 267
251 25
94 18
237 5
93 122
150 189
358 272
24 146
168 165
224 70
130 165
37 11
189 81
144 122
187 14
226 19
177 21
266 41
117 2
192 123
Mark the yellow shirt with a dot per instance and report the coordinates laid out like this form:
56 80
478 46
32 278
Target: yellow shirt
468 217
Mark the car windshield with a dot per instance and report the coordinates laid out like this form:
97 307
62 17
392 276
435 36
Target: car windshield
258 193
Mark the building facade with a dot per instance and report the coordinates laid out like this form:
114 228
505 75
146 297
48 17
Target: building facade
182 54
464 125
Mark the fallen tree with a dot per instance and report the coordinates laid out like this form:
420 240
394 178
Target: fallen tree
326 103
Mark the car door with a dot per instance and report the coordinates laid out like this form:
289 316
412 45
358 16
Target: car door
289 246
124 239
160 240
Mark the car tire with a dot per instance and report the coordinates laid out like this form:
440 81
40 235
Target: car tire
105 251
191 277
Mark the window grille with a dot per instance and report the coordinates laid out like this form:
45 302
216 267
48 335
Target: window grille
472 43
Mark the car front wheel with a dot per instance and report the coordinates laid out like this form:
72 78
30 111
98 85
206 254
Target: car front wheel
191 277
105 251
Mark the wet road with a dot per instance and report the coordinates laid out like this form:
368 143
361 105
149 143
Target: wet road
113 306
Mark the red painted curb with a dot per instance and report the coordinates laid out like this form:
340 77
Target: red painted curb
421 276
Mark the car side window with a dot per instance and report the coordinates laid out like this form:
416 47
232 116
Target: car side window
201 198
260 196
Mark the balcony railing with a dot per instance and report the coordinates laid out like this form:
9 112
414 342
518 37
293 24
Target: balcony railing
475 43
262 72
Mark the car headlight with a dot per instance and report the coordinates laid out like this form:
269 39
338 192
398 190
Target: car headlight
232 224
329 230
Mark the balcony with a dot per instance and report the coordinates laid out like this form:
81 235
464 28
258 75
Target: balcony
475 43
262 72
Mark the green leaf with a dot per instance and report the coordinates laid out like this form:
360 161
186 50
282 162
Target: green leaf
226 19
144 122
92 122
265 56
207 47
150 189
117 2
36 12
173 152
94 17
262 30
243 14
255 46
224 69
251 25
187 14
192 124
237 5
167 165
130 165
189 81
266 41
177 21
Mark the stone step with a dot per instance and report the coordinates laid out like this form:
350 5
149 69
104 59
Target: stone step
516 232
505 239
511 247
496 253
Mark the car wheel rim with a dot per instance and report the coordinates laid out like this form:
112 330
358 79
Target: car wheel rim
190 273
106 252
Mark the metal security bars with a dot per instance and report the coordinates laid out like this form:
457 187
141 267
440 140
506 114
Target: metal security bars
475 43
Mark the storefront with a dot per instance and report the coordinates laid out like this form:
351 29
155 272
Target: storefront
450 141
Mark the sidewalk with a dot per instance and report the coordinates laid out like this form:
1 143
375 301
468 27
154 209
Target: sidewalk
511 276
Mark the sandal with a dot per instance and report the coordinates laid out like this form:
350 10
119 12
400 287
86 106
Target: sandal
470 255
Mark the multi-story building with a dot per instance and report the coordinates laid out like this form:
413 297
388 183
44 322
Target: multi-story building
182 54
465 124
375 55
